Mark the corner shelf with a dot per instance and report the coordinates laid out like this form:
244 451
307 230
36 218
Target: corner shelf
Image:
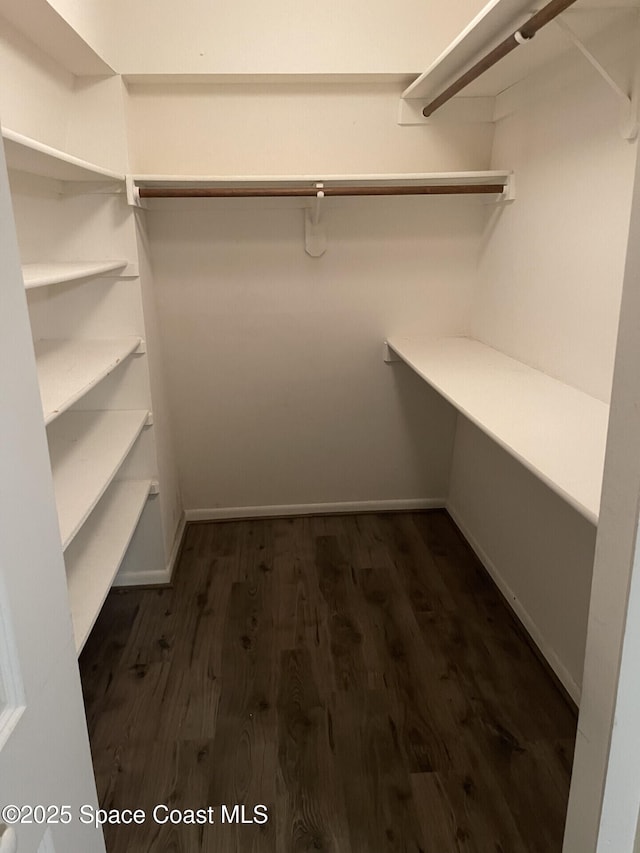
86 450
94 556
69 369
47 29
557 432
28 155
41 275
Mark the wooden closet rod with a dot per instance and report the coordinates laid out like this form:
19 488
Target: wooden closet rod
312 192
526 32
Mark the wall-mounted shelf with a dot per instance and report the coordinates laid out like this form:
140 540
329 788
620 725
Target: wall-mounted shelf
488 28
429 179
311 191
94 556
28 155
47 29
41 275
86 450
554 430
69 369
493 24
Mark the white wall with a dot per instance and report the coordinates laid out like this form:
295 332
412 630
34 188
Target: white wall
552 267
551 275
289 129
275 376
279 36
274 359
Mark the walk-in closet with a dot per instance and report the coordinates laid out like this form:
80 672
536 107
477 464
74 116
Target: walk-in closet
319 427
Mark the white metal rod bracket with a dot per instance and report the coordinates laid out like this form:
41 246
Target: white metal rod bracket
315 236
630 117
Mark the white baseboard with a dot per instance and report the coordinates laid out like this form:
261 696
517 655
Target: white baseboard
177 544
530 626
339 508
160 577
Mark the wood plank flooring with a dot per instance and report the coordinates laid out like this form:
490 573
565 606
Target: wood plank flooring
359 676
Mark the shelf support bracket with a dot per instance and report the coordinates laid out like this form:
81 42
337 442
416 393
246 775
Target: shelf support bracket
133 193
389 355
315 236
630 125
509 192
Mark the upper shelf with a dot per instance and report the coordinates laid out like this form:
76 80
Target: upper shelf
69 369
41 275
497 20
49 31
378 179
554 430
28 155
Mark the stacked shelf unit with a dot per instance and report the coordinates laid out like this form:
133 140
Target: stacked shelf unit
88 334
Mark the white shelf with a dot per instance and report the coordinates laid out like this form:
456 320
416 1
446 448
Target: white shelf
379 179
28 155
47 29
497 20
86 451
94 557
68 369
554 430
41 275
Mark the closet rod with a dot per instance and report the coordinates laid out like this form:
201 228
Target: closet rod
312 192
525 33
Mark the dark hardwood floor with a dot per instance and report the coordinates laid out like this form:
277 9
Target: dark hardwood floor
358 675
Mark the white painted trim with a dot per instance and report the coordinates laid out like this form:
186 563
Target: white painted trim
160 576
338 508
177 544
516 605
